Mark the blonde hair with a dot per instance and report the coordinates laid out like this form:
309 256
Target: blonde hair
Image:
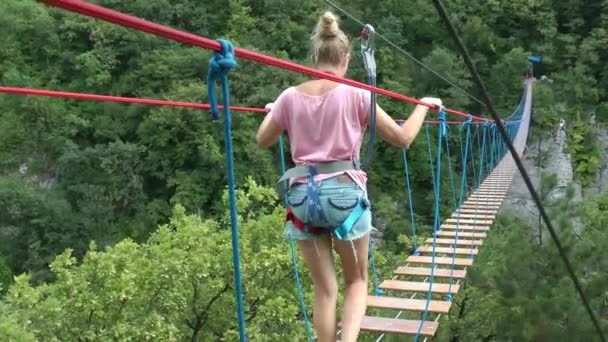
329 43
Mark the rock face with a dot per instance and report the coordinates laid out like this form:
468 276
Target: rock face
602 181
542 158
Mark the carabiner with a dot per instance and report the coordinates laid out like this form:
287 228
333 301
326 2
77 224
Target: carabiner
367 49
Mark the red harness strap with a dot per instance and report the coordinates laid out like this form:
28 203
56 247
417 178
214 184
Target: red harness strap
301 225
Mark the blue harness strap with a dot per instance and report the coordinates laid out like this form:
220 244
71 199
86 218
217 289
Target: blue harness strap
346 226
313 201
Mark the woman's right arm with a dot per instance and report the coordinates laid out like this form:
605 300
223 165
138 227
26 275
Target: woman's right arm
403 136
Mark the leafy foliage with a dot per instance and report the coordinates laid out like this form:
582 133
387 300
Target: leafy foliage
74 172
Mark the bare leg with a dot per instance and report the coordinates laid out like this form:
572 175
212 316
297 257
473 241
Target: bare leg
355 281
320 263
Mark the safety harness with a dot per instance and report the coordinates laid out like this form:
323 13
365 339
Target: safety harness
313 202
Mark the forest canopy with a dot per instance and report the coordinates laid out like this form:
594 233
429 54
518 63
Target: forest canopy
114 220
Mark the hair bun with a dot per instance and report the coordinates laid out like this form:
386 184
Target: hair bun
328 26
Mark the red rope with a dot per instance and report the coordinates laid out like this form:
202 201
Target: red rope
106 98
122 19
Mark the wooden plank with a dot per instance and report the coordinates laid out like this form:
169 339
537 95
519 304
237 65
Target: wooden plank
484 201
488 195
462 227
478 211
448 250
494 197
406 304
477 216
470 221
452 241
398 326
416 286
426 272
480 206
442 233
439 260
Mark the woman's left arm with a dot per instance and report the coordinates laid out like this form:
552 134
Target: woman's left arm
269 131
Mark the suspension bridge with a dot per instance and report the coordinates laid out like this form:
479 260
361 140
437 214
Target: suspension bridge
434 272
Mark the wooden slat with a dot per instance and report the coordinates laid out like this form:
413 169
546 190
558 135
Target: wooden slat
439 260
442 233
477 211
398 326
470 221
484 201
468 211
480 206
452 241
488 196
462 227
416 286
406 304
426 272
448 250
477 216
478 202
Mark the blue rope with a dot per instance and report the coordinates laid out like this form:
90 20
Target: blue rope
473 167
294 261
479 176
462 151
492 133
463 182
428 144
409 199
482 177
494 147
219 65
372 127
442 133
481 167
460 127
447 150
377 290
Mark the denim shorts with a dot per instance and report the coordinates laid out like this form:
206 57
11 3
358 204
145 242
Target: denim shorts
339 196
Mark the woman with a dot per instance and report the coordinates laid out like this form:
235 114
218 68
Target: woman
325 122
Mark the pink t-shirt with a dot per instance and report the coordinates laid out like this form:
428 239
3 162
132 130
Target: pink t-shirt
324 128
